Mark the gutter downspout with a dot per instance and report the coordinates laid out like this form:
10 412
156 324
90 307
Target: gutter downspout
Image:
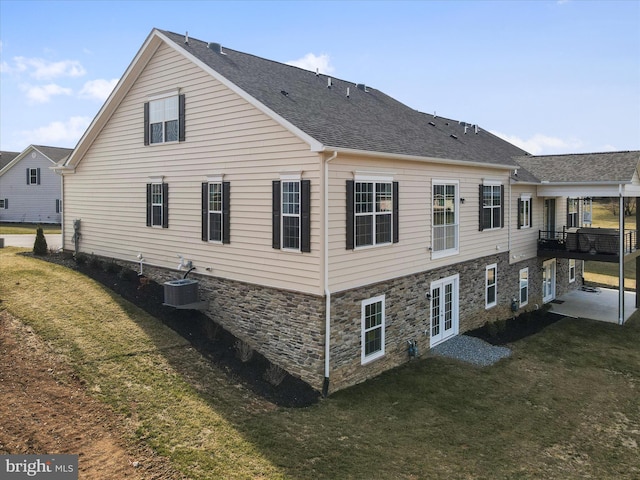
327 292
621 262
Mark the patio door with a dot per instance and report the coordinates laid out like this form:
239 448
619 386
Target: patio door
549 280
444 309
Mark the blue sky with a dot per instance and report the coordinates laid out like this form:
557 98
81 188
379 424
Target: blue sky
551 76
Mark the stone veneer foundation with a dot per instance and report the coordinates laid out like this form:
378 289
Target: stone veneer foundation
288 327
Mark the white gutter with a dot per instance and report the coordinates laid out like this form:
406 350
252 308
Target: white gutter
415 158
327 292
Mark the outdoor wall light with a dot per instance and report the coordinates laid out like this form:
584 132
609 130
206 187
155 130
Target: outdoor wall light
462 200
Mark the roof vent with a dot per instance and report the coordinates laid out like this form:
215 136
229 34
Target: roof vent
476 128
432 124
186 38
317 72
329 82
465 129
284 92
453 136
348 91
362 86
216 47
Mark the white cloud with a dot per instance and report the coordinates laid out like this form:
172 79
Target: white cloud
43 93
313 62
540 144
98 89
44 69
57 133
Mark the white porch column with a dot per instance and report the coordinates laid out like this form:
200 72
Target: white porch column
621 263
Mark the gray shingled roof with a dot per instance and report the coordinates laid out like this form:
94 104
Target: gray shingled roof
582 168
370 121
6 157
54 153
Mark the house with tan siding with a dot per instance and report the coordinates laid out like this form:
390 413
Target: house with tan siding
326 223
30 191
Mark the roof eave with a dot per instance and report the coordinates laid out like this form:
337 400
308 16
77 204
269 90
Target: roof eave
416 158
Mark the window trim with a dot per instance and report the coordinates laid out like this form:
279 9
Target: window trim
572 270
226 201
364 358
284 215
435 254
4 203
180 118
526 301
374 213
164 205
487 285
33 176
525 218
304 210
492 184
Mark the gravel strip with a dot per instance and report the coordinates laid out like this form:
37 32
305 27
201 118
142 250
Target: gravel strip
471 350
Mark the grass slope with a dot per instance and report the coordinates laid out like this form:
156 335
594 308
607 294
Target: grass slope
564 406
27 228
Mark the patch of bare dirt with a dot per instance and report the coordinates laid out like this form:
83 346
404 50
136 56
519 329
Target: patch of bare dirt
44 409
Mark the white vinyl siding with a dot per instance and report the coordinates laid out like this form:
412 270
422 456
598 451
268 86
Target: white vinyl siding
524 241
225 136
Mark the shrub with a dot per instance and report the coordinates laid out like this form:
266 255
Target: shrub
243 351
40 245
274 375
127 274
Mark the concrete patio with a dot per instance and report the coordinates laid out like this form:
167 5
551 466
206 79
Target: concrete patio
600 304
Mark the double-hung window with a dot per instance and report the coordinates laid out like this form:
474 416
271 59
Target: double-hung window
524 286
4 203
372 211
572 270
215 210
291 213
445 216
373 328
491 286
524 211
164 119
33 176
491 206
157 204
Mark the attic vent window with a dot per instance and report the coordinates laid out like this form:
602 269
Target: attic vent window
362 86
216 47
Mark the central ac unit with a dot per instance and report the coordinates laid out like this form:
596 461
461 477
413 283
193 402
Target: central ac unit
180 292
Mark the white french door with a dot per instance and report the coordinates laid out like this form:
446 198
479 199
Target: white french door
549 280
444 309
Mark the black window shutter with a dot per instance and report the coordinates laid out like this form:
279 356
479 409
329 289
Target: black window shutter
38 176
531 213
6 203
57 205
502 206
181 129
205 212
149 209
481 207
305 215
275 221
520 219
396 210
165 205
28 176
146 123
350 214
226 219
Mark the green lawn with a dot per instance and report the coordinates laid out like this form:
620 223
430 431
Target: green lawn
26 228
564 406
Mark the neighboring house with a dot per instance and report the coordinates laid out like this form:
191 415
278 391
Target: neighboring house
328 224
6 157
30 191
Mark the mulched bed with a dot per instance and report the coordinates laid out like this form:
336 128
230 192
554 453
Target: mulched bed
211 340
513 329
